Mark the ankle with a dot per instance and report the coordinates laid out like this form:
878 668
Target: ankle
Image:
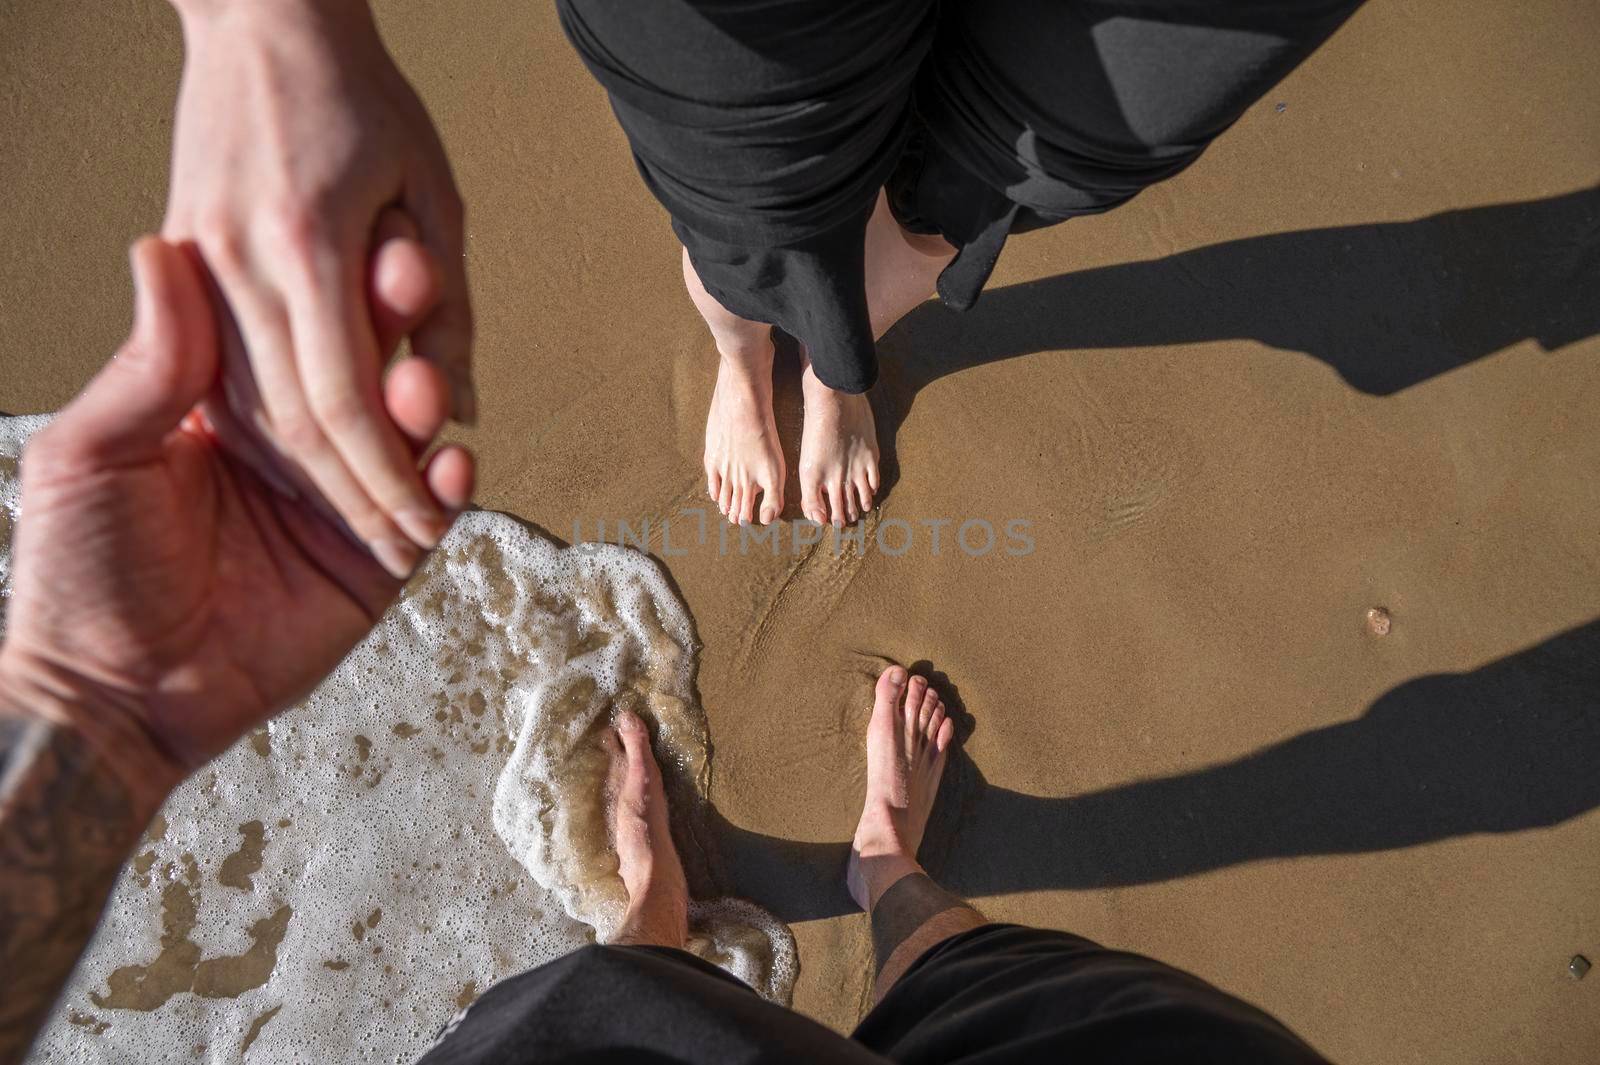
814 391
646 928
879 873
746 358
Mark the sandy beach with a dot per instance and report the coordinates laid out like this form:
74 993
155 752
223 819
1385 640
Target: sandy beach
1349 361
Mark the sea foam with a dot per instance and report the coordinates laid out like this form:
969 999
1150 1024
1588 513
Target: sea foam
431 820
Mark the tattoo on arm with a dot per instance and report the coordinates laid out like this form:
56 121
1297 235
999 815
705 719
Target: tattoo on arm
67 823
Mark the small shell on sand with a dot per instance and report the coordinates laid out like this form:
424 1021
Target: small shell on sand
1378 621
1578 967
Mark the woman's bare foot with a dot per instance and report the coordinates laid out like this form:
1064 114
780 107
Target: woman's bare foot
743 459
838 453
658 895
839 444
907 742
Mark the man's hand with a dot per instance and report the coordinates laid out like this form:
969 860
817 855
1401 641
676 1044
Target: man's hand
165 600
294 132
158 581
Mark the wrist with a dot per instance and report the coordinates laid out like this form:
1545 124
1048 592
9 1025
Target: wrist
110 733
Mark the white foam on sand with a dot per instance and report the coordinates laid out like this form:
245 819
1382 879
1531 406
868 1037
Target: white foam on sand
430 821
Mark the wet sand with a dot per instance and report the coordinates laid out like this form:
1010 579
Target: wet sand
1346 361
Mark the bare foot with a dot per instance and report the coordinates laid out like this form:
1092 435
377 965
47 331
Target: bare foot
743 458
839 445
907 742
658 895
838 453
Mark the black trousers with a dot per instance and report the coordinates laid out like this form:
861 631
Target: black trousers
766 129
996 995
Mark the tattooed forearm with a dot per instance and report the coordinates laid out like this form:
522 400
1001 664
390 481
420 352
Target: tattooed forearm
67 822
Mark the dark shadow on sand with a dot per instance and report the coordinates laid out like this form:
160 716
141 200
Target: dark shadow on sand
1510 746
1387 305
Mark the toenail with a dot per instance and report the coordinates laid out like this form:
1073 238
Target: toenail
897 676
627 722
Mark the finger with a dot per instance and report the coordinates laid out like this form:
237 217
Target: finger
417 398
403 281
336 356
450 475
281 416
166 366
445 336
294 431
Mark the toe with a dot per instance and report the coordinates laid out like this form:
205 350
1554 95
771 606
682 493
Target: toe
725 495
863 492
847 493
810 499
913 707
935 723
713 484
735 502
930 700
640 762
886 697
835 505
771 498
947 732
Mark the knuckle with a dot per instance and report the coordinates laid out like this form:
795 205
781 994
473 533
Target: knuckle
339 412
221 240
292 227
300 434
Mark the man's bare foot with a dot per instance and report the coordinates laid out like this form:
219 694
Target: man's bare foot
658 895
838 453
743 458
907 742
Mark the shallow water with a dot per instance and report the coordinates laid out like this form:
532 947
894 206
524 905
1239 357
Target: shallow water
431 820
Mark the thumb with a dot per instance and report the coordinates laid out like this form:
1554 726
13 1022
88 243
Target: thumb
165 367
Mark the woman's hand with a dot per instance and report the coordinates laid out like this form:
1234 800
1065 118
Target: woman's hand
294 132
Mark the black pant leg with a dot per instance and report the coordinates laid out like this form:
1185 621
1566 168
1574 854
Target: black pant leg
1004 994
766 131
634 1006
1035 111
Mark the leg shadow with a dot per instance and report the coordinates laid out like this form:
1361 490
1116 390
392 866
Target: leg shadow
1387 305
1507 747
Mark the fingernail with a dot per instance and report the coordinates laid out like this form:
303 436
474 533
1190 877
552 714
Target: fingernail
425 529
396 556
465 396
